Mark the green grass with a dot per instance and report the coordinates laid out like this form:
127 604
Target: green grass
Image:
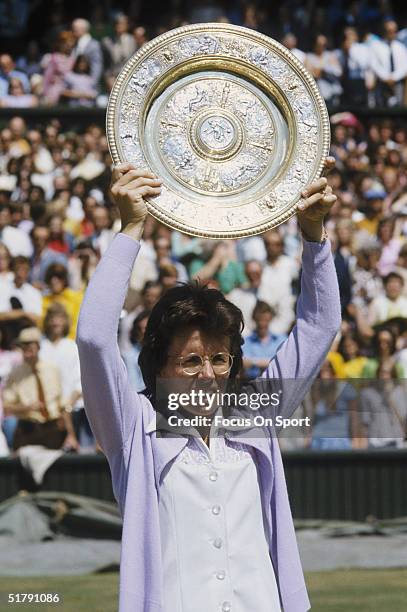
336 591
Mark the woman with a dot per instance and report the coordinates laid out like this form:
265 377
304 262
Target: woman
16 97
56 66
384 349
132 355
222 504
348 362
56 279
79 86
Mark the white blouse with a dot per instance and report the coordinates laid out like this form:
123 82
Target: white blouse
214 548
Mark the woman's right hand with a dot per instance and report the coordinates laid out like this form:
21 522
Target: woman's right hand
129 187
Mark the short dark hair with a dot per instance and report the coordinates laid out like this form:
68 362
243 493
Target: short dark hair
135 328
392 275
19 260
262 308
186 305
58 270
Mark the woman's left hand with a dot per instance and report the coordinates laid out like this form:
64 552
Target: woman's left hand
317 200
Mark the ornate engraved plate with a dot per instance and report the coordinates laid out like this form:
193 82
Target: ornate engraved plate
229 119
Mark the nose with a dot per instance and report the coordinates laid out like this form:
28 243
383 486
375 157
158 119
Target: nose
207 372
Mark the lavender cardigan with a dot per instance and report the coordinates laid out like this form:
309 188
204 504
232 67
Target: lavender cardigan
119 418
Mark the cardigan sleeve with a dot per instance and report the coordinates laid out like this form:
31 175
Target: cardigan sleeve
111 404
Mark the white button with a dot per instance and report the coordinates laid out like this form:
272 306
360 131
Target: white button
226 606
216 510
213 476
217 542
220 575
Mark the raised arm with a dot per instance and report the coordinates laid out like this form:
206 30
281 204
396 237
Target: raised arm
110 402
299 358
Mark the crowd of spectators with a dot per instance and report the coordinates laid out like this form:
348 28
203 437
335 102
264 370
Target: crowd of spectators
357 52
57 220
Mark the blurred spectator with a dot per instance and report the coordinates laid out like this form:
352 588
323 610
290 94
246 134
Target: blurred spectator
167 275
261 345
290 42
88 47
245 297
334 406
349 361
383 349
79 85
131 356
17 241
6 274
326 69
389 61
43 256
56 279
392 303
221 265
33 394
384 409
150 294
8 72
120 46
357 77
344 260
276 282
56 66
16 98
389 246
373 210
56 348
162 247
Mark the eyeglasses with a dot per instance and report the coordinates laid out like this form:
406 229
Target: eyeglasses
193 363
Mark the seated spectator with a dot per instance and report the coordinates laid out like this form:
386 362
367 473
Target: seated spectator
59 240
389 62
357 75
167 275
245 297
16 97
373 210
401 267
103 233
349 361
30 62
334 409
276 282
261 345
344 260
290 42
9 359
81 265
392 304
8 72
33 394
140 36
89 47
326 69
43 256
221 265
60 350
131 356
384 408
383 351
150 294
56 279
19 300
119 47
17 241
389 246
56 66
162 247
6 274
79 88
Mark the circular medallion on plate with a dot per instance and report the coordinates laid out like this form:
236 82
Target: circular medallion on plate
229 119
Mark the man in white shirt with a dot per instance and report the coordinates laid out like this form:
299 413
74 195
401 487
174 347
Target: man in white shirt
389 63
27 300
357 74
275 287
16 240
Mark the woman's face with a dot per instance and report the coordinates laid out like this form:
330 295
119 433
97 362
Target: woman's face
186 342
385 342
56 326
